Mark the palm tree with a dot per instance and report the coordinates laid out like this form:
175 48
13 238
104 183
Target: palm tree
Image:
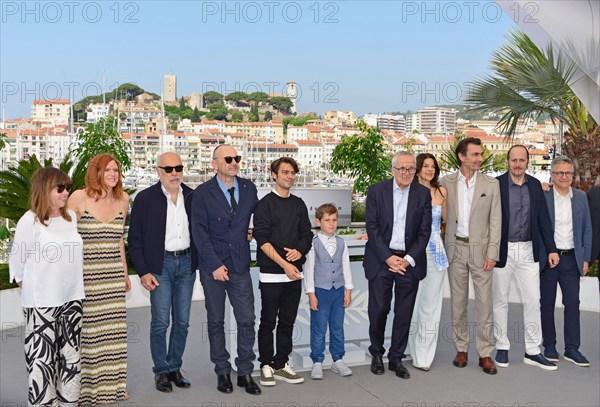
530 83
15 184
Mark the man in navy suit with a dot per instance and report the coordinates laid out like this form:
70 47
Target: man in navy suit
222 208
525 223
398 218
164 256
572 226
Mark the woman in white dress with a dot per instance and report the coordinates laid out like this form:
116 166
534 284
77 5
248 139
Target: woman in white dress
425 320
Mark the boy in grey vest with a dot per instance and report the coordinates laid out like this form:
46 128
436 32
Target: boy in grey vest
328 284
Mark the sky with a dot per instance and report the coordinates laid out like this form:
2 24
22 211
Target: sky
368 57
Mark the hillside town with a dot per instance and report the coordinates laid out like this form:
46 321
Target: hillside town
144 125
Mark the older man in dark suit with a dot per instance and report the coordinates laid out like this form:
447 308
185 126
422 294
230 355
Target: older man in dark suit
164 256
221 216
398 218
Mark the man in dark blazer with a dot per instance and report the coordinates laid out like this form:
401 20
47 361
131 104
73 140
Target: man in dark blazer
398 218
221 216
163 253
594 203
525 223
572 226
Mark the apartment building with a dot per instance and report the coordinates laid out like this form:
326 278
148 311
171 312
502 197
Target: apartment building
54 112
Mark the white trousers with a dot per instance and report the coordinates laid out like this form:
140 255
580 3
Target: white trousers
424 325
520 265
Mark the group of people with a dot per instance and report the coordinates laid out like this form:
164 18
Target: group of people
496 229
68 257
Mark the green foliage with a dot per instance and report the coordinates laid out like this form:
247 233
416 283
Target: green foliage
217 111
237 116
182 104
127 91
2 140
98 138
253 116
268 116
211 97
282 103
175 113
196 115
15 184
296 121
358 212
236 97
258 97
362 157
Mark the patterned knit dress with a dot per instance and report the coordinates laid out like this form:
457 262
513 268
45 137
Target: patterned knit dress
104 328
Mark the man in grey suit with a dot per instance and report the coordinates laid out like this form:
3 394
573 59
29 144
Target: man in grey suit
572 225
473 231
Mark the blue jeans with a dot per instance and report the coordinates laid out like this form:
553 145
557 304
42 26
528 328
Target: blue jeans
331 311
173 296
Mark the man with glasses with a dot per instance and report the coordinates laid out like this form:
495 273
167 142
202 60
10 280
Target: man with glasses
473 231
525 223
398 220
571 222
221 216
163 253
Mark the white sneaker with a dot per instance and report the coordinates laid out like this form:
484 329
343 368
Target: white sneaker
340 368
317 371
266 376
287 374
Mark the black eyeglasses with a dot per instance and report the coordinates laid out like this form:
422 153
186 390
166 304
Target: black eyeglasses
169 169
229 159
61 187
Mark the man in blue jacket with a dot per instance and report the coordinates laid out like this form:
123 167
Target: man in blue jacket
525 223
571 222
221 215
163 253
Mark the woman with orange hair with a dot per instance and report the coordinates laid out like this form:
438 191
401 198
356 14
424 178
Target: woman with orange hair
102 208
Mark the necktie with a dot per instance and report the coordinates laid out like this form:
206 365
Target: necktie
233 201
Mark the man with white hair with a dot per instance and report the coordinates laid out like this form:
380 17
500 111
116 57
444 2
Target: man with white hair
165 258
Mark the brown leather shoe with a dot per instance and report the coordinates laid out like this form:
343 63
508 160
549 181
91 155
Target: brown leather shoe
461 359
488 366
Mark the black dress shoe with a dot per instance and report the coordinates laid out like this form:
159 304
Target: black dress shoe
248 382
377 364
162 382
178 379
224 383
400 370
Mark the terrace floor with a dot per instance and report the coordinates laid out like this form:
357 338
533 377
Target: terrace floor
445 385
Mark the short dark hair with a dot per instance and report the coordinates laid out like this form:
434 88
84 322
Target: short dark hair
463 146
284 160
514 146
327 208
